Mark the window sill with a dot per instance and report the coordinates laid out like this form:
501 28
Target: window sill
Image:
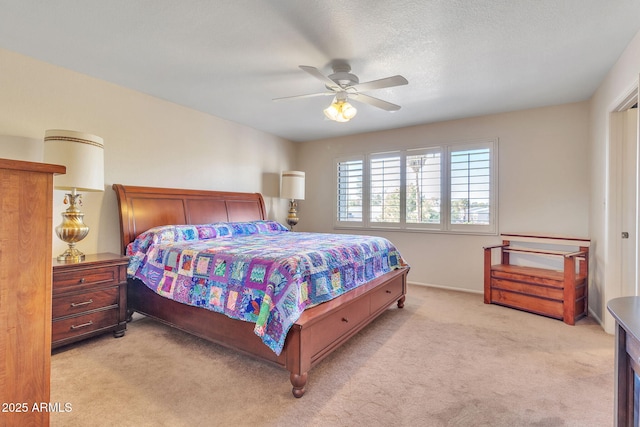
416 230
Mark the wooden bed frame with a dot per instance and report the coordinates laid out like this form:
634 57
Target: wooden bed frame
318 332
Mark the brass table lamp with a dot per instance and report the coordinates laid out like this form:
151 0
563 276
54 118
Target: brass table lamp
83 155
292 188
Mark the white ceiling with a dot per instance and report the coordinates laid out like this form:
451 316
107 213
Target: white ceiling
230 58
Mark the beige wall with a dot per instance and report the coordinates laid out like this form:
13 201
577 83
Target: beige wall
543 180
605 277
148 141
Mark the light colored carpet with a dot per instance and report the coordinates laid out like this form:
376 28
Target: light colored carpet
446 359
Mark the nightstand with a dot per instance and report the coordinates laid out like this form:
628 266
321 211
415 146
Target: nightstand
89 298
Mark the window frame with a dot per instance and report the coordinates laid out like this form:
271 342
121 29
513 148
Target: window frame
445 226
492 227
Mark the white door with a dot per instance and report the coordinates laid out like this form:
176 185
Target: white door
629 206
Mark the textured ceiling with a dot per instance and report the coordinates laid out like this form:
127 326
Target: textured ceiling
231 58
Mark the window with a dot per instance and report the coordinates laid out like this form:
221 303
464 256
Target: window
350 174
470 187
423 187
384 178
449 188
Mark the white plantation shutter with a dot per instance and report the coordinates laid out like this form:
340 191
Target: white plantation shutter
447 188
423 186
350 197
385 177
470 186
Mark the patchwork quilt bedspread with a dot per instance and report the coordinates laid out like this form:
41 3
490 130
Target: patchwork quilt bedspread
257 271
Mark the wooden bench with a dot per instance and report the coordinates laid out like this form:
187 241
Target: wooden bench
558 293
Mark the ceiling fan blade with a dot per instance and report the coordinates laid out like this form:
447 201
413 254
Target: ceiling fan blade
318 75
381 84
388 106
309 95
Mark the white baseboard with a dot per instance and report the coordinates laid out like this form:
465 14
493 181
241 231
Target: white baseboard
449 288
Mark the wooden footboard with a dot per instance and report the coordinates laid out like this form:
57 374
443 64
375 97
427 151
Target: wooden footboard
319 331
323 328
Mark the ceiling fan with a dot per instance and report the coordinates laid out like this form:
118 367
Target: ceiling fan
344 85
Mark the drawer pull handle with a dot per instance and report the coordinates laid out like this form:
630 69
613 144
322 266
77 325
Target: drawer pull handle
345 320
80 304
84 325
388 291
82 280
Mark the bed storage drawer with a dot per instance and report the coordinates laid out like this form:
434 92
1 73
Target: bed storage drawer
387 295
338 324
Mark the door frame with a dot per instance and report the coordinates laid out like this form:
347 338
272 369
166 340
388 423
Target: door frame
612 286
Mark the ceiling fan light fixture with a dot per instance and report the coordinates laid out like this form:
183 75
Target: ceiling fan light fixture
342 84
348 110
340 111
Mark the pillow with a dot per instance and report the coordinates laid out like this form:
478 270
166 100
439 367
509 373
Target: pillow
184 233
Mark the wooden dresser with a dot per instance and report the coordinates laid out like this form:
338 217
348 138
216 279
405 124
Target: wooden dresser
26 204
89 298
626 311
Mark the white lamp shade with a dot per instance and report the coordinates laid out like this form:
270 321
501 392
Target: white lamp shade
81 153
292 185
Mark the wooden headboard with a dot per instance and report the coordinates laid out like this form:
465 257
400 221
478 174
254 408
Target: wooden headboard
142 208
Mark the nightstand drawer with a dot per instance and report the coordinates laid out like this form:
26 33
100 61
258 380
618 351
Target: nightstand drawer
79 279
86 301
84 324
